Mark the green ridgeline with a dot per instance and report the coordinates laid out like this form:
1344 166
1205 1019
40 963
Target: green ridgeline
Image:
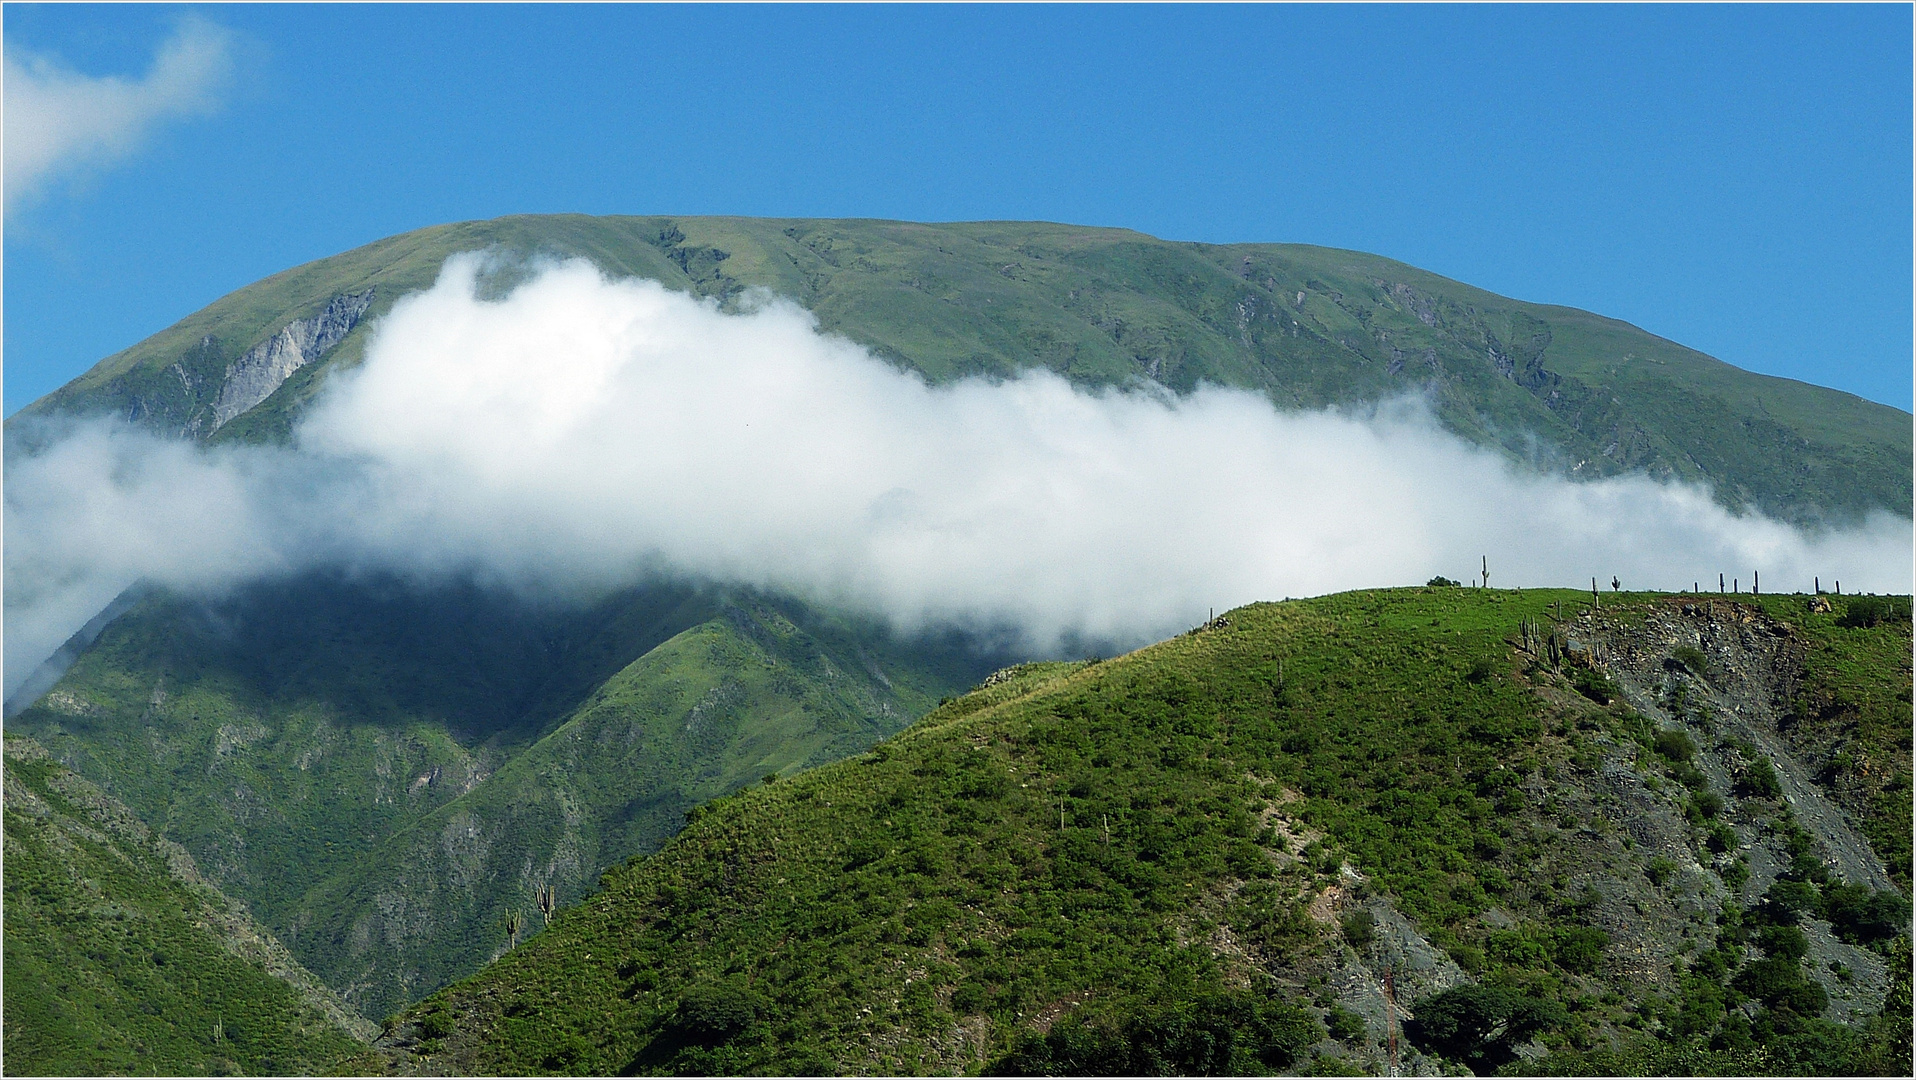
1563 389
1181 860
121 960
382 772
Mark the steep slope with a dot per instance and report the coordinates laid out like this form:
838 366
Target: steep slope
748 694
121 958
1305 836
382 771
1564 389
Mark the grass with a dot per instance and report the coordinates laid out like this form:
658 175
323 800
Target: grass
317 744
114 963
1307 326
1095 849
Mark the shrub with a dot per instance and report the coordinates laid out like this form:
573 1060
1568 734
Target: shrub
968 999
1578 948
1441 582
1513 948
1785 941
1360 928
1690 658
1759 779
435 1024
1593 685
1707 804
1345 1025
1867 611
1660 871
1480 1026
1216 1035
1788 901
1778 982
712 1014
1675 745
1860 916
1721 837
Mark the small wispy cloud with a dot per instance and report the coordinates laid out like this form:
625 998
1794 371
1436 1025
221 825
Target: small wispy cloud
60 122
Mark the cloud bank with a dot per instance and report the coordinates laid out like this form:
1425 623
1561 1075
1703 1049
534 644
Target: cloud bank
59 121
582 433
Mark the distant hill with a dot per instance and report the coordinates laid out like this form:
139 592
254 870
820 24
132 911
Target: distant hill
383 772
122 959
1564 390
1437 820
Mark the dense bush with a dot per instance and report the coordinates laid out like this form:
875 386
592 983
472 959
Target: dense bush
1861 916
1690 658
1867 611
1758 779
1481 1026
1675 745
1593 685
1231 1034
1360 927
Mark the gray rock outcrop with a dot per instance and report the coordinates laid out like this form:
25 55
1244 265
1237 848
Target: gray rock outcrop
254 376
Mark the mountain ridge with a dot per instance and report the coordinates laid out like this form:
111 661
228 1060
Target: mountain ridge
1558 388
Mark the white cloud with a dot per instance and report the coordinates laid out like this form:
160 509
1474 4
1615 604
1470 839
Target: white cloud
59 121
583 432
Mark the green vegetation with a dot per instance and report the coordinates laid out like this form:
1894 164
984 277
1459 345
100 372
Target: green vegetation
1850 718
119 960
1088 866
383 773
1480 1026
1307 326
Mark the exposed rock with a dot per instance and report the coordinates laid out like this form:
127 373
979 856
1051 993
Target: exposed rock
253 377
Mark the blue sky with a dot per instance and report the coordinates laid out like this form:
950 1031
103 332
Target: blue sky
1735 178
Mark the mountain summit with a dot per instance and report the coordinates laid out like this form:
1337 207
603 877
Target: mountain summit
1563 390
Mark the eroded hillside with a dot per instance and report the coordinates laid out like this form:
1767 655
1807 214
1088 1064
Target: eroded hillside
1419 829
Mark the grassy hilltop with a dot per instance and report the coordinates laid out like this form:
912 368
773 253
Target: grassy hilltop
1565 390
1603 844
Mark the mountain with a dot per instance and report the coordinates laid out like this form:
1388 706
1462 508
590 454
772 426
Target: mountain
382 771
122 958
385 771
1565 390
1440 819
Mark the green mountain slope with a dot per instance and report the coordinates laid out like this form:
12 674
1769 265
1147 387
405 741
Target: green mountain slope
382 773
121 959
1568 390
1575 845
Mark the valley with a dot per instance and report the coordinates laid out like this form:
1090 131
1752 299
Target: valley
346 818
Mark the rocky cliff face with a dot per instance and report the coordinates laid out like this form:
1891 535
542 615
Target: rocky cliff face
254 376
